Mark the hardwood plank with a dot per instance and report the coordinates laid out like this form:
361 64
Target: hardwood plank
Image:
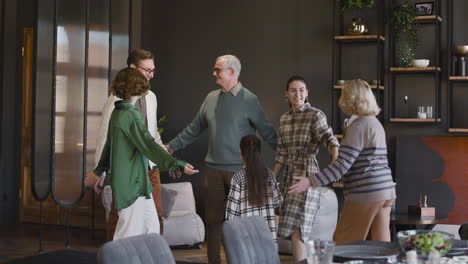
416 120
402 69
424 18
372 87
458 78
359 37
458 130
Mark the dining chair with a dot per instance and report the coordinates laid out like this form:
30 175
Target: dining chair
142 249
463 231
248 240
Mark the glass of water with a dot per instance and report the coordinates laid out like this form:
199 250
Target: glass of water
429 111
320 251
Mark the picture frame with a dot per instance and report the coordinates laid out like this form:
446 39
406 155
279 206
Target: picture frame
424 8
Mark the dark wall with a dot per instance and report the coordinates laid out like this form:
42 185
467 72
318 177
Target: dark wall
273 39
10 111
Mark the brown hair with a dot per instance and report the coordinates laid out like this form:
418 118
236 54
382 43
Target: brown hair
135 56
129 82
256 172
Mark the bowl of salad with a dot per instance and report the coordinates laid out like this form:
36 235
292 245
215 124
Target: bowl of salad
425 241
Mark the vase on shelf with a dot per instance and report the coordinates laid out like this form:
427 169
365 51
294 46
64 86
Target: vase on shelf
357 27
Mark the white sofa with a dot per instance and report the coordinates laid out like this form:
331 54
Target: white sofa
183 227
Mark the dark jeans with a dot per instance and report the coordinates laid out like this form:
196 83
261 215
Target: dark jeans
217 183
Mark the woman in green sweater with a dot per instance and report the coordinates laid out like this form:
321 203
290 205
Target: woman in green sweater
125 156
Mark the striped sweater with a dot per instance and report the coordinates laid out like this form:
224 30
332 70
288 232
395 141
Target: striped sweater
362 162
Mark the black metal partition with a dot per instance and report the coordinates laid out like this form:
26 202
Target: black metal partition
98 73
43 75
120 29
78 44
69 103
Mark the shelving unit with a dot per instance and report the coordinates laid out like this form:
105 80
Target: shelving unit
341 41
453 80
435 70
415 69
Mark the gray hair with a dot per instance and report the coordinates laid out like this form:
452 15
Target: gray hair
231 61
357 99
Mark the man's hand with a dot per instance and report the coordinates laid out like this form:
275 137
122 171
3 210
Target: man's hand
98 184
189 169
299 187
169 149
90 179
175 174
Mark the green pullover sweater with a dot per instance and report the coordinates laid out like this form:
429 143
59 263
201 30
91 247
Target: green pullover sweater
227 117
125 156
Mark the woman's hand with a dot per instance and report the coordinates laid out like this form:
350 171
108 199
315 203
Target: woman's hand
90 179
189 169
99 184
299 187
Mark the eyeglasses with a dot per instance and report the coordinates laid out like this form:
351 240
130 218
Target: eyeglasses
218 70
147 71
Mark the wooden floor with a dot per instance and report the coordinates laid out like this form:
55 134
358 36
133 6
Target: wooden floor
18 241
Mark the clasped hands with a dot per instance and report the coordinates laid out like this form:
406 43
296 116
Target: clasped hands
92 180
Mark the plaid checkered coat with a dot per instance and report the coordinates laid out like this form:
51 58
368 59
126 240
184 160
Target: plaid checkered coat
300 136
237 204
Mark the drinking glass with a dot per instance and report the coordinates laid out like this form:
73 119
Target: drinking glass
421 109
320 251
429 111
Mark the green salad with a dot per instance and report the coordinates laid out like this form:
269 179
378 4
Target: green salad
427 242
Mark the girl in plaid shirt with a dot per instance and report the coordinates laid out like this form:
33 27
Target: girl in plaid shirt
254 190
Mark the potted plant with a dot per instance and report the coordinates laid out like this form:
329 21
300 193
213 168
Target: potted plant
358 26
161 121
346 4
403 25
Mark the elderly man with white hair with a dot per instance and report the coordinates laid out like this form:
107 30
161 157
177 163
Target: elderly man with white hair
228 113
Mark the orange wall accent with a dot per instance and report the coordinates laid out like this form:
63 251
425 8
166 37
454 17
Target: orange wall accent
454 152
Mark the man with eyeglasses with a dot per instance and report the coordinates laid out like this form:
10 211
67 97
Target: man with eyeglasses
228 113
143 61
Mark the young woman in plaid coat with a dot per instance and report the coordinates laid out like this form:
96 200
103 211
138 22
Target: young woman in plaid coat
311 214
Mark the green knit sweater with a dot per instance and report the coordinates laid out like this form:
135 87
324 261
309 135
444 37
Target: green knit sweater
228 118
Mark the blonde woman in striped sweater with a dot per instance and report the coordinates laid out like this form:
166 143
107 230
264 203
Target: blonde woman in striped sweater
362 162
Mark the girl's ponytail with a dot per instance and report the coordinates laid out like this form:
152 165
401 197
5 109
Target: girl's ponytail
256 172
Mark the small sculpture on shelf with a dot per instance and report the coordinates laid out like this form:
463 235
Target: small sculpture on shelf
421 209
357 27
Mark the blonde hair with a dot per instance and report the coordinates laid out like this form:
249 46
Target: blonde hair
357 99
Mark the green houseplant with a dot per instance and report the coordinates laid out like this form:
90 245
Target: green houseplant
346 4
161 121
403 25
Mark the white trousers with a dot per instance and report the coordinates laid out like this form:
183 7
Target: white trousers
137 219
